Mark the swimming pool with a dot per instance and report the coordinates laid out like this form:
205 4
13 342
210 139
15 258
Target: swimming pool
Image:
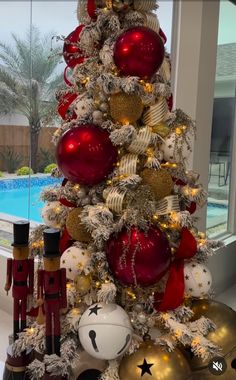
14 195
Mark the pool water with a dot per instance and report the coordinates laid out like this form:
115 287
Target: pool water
14 197
216 210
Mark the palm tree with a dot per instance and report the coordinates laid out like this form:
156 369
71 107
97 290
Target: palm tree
28 81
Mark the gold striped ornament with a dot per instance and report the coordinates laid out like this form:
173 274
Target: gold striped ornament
156 113
115 199
145 5
167 205
141 142
152 22
165 70
128 164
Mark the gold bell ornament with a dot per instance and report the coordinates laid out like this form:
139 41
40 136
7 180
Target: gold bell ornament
150 362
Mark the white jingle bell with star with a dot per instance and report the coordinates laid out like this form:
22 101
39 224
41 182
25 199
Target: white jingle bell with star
75 259
197 279
105 331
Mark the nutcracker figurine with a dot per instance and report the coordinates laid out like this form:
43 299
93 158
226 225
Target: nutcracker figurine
20 271
52 289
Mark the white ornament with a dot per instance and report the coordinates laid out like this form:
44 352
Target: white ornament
50 213
75 259
197 279
175 148
85 362
105 331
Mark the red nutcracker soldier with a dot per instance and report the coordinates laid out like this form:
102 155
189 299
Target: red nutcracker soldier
21 271
52 289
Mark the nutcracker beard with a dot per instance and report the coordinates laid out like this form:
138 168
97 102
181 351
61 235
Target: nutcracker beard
53 329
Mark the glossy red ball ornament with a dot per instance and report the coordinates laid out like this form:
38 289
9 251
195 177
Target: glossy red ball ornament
64 105
139 258
139 51
71 51
85 154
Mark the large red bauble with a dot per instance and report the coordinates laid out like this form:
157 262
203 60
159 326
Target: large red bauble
138 258
85 154
139 52
71 51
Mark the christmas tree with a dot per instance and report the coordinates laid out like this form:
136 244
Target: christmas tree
134 260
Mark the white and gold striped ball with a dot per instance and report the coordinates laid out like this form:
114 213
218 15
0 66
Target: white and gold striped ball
197 279
74 260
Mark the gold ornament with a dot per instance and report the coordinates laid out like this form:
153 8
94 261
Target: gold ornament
125 108
152 22
161 129
145 5
160 182
75 228
82 283
224 318
151 362
156 113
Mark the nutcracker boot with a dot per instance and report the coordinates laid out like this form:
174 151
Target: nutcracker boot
57 345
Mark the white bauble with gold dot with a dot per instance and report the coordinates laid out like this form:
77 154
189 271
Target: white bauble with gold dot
105 331
74 260
175 148
197 279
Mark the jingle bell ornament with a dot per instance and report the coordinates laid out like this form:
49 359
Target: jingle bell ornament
75 259
136 257
151 362
105 331
197 279
85 154
139 51
85 367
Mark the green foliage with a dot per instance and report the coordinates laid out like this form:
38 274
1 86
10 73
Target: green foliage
45 158
49 168
11 159
1 174
25 170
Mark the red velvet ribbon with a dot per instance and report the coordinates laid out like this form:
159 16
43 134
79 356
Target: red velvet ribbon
64 201
66 241
91 8
174 291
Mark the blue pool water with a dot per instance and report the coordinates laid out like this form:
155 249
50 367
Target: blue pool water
14 195
217 210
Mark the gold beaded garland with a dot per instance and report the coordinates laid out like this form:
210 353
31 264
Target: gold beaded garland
160 182
125 108
75 228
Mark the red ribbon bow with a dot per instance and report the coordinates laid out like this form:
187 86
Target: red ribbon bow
174 291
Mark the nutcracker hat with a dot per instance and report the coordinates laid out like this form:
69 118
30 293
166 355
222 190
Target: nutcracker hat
21 233
51 238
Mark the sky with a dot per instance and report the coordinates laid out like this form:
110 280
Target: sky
57 16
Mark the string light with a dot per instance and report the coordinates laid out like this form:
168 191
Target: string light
195 341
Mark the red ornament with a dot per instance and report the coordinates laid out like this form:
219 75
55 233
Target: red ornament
139 52
64 201
163 36
138 258
66 241
65 102
91 9
71 51
86 155
191 208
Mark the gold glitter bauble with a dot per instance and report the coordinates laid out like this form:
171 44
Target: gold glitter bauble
161 129
121 5
82 283
125 108
160 182
75 228
151 362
